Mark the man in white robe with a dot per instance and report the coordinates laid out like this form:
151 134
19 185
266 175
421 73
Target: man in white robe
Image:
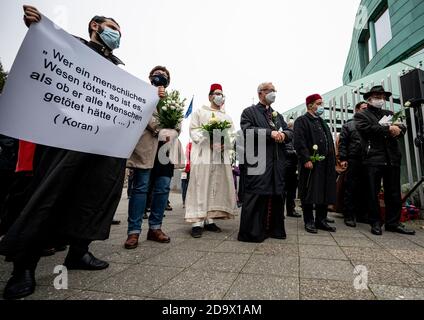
211 192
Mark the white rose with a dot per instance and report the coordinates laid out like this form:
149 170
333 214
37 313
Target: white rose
275 114
164 108
408 104
315 147
172 107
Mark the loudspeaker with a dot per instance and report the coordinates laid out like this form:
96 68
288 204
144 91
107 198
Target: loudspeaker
412 85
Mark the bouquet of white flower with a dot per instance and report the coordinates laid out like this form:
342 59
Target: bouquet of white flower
170 110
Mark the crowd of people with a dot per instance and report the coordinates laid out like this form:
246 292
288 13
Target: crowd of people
59 198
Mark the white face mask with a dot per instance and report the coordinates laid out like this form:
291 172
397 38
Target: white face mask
378 103
219 100
271 97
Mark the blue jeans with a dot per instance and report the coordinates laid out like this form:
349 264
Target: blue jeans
137 203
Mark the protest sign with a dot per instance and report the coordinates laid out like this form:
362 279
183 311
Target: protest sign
61 93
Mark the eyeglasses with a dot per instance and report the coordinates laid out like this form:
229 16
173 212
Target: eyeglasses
268 90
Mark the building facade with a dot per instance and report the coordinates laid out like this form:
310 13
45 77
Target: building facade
387 42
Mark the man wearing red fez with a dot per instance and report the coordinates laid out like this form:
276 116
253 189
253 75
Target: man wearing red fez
262 213
211 192
317 175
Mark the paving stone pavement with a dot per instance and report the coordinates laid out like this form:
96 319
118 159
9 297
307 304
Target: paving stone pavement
217 266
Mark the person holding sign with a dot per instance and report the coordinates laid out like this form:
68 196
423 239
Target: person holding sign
73 196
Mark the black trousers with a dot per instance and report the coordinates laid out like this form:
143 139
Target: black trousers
392 194
256 224
6 181
15 201
355 191
321 211
291 188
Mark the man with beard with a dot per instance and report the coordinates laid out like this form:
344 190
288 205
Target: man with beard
382 159
73 196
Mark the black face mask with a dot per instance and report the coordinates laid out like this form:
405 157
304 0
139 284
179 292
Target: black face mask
159 81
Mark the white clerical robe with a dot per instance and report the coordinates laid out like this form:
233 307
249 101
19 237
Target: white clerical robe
211 192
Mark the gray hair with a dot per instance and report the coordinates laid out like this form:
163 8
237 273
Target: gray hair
263 85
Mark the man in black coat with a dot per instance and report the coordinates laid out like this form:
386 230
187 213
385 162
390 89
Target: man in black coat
73 196
350 155
291 180
8 158
317 179
262 213
382 158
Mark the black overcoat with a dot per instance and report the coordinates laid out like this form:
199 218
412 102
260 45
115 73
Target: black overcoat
271 158
319 185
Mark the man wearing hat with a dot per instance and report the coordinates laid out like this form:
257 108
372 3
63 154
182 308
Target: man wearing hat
382 159
211 194
317 179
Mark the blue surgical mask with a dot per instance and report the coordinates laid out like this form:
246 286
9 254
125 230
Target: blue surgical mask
320 111
111 38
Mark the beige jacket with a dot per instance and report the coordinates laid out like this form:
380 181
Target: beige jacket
144 154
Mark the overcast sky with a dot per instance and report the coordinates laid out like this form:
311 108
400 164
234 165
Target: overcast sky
301 45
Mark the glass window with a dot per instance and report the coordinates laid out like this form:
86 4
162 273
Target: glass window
383 30
370 53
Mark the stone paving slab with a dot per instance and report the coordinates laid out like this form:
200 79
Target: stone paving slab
217 266
263 287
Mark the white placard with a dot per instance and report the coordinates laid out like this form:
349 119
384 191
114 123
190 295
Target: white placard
62 93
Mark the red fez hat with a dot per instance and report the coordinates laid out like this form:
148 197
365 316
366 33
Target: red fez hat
214 87
312 98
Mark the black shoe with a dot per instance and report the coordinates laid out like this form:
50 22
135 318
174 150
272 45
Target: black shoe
196 232
213 228
325 226
20 285
168 208
87 262
145 216
310 227
294 215
376 229
328 220
350 223
400 229
116 222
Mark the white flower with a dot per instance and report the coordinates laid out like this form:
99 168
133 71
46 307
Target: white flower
172 107
408 104
315 147
164 108
275 114
213 120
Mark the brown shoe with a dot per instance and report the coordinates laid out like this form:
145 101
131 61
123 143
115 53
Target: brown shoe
158 236
132 241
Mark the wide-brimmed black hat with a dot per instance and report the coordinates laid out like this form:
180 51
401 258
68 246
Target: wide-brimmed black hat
377 89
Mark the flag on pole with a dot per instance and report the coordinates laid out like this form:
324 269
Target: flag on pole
190 109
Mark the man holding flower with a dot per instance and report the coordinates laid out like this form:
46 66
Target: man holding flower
211 192
317 161
382 159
